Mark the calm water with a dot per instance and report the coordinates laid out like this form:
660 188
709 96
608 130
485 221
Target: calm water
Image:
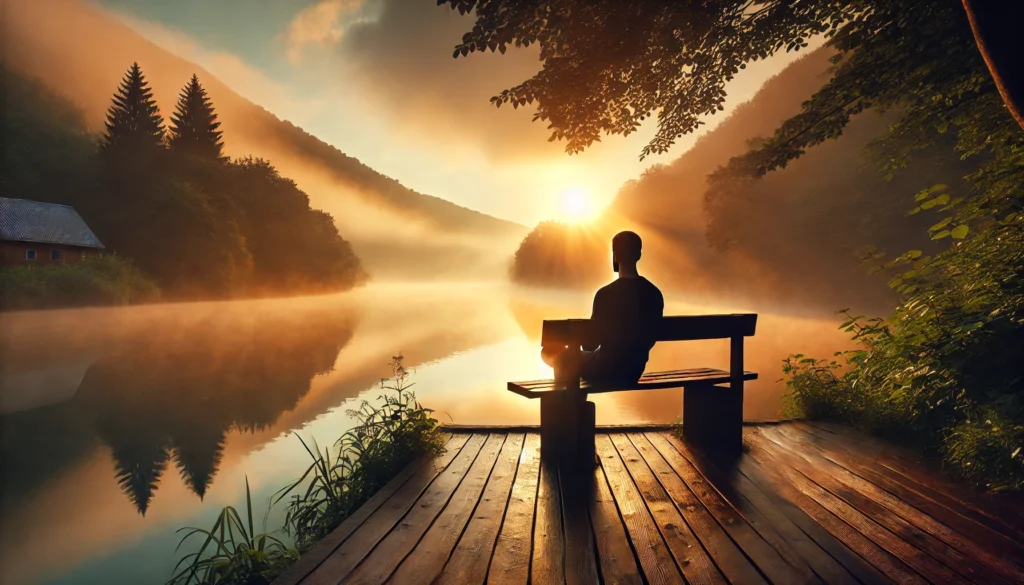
118 426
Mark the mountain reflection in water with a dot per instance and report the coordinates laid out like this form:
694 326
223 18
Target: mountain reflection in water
159 412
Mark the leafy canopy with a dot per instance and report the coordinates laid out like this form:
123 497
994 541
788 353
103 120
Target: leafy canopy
608 65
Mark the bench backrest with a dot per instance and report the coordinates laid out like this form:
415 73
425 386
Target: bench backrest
683 328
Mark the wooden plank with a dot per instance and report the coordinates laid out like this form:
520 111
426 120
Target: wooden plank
885 510
768 557
312 558
536 428
798 539
389 540
987 512
723 551
671 328
975 527
425 561
548 564
684 373
655 559
576 490
618 564
995 567
347 556
510 563
894 557
886 567
472 555
687 375
691 557
651 384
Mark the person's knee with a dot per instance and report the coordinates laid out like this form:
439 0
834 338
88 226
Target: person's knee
551 355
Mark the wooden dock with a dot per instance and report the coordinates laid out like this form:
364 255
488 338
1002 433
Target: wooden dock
806 503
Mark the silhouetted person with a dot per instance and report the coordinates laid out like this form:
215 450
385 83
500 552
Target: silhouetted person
626 314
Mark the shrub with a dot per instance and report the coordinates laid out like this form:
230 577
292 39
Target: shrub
106 280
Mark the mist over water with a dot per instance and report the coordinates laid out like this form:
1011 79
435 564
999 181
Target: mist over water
106 413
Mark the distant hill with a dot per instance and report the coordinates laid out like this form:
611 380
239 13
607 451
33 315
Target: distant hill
791 240
81 52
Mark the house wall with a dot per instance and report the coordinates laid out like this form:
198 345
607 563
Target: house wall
14 253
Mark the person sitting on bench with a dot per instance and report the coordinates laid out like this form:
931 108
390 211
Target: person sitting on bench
626 313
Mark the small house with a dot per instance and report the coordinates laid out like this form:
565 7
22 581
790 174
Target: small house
33 232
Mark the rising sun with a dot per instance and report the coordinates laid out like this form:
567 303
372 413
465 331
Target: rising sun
576 205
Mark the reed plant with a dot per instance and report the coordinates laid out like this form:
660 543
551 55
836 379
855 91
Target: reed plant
339 479
232 552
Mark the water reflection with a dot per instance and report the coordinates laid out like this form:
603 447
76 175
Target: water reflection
159 398
157 401
109 414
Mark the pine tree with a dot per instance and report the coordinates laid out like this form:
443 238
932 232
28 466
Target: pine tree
194 125
133 121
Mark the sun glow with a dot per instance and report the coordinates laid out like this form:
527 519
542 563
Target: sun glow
576 205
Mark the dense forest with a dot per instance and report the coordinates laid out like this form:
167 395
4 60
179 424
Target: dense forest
165 200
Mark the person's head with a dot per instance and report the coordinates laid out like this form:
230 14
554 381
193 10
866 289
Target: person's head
625 251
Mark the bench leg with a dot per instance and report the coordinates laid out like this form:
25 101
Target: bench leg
713 418
567 427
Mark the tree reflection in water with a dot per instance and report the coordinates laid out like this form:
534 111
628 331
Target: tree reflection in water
160 399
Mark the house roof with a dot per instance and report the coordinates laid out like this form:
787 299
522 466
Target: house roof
22 220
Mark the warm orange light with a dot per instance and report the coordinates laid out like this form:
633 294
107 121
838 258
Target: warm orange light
576 205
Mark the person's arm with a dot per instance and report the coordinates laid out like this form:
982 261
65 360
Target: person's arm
595 317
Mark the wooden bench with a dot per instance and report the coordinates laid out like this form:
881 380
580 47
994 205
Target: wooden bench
712 398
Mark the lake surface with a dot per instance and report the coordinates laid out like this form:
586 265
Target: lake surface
119 426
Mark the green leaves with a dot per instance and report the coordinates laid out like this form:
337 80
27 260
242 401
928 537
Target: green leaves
959 232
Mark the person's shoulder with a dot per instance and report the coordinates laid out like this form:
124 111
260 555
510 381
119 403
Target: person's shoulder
654 291
604 290
650 284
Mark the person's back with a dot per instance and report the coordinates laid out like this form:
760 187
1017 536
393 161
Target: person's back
626 315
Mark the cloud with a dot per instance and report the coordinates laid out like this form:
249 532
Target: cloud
402 62
321 24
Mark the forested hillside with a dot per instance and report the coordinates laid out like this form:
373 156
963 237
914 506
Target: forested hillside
396 231
164 198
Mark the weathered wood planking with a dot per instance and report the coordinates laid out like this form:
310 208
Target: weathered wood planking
807 503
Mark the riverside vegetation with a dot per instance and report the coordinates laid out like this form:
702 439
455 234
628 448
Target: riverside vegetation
178 214
386 438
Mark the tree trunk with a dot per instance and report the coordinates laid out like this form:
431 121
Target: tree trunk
997 30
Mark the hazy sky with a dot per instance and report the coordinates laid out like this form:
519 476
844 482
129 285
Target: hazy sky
376 79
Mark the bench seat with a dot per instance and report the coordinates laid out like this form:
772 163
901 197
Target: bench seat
649 381
712 398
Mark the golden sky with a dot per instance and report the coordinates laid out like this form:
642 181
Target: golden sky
376 79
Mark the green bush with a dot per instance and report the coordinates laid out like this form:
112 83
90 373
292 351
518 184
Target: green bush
106 280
